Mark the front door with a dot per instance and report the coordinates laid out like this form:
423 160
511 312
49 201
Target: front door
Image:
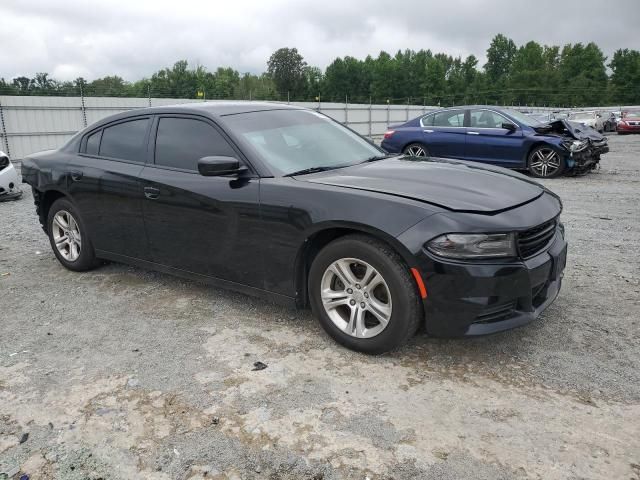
488 142
204 225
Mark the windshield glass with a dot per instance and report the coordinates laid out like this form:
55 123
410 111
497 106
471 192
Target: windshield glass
292 140
522 118
632 113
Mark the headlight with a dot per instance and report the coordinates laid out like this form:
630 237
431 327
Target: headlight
481 245
575 145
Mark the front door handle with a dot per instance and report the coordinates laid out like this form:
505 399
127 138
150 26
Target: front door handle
473 133
75 176
428 131
151 193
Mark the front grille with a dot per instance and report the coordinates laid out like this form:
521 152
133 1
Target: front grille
496 313
534 240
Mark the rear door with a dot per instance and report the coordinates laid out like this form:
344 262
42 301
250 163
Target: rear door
104 185
444 133
488 142
204 225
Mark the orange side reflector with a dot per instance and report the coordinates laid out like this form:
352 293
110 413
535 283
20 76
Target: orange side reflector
421 287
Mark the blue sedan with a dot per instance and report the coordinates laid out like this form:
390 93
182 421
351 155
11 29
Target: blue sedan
501 137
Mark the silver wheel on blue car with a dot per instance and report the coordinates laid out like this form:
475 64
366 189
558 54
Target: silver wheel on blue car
363 294
416 150
545 162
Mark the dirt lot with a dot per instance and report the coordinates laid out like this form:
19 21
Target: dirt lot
121 373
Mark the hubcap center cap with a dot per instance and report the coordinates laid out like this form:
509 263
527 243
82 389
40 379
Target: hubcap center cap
358 296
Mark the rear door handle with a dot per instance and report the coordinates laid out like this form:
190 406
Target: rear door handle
151 193
75 176
473 133
428 131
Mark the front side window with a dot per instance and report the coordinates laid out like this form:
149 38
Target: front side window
486 119
181 142
125 141
292 140
449 118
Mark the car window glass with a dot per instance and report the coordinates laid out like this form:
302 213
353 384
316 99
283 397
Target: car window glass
486 119
93 143
181 142
125 140
427 120
452 118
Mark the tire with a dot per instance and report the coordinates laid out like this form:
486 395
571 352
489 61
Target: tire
537 166
402 307
414 150
76 252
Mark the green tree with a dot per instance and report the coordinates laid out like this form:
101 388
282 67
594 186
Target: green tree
499 58
287 68
625 76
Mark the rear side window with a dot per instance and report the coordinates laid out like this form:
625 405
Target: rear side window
93 143
451 118
181 142
125 140
427 120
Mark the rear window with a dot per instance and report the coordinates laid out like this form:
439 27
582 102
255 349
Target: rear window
93 143
449 118
125 140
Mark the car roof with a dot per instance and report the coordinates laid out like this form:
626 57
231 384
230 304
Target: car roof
221 108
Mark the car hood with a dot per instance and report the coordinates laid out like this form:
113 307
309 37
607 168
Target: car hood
571 129
453 185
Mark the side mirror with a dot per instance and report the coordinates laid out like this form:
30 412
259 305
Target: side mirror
508 126
219 165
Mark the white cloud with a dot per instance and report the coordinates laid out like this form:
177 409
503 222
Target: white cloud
71 38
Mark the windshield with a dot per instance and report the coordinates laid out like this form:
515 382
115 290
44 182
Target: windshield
632 113
293 140
522 118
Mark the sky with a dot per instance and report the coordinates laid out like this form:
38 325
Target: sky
135 38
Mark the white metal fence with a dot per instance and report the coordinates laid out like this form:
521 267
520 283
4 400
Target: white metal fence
29 123
33 123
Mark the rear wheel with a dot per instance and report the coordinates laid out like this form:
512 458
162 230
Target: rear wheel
363 295
68 237
416 150
545 162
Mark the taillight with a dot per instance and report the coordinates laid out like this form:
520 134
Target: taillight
389 133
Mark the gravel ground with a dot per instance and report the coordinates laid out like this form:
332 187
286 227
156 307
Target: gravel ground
123 373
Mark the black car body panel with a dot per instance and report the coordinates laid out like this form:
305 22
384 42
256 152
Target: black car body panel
257 231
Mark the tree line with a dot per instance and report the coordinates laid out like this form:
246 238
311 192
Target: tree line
529 74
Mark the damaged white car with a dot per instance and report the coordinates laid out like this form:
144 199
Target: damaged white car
8 179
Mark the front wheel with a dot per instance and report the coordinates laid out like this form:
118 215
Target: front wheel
363 295
68 237
545 162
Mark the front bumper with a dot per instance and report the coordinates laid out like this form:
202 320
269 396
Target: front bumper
467 299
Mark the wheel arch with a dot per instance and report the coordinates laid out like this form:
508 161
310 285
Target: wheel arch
540 143
43 201
326 234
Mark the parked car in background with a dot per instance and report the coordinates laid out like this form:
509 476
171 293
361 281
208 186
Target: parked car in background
9 188
629 123
610 122
501 137
590 119
286 203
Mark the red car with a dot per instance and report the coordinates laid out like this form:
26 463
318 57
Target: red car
629 123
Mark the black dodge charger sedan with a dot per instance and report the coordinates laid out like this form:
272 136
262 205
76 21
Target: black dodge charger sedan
286 203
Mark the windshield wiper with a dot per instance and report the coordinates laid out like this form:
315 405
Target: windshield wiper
375 158
306 171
